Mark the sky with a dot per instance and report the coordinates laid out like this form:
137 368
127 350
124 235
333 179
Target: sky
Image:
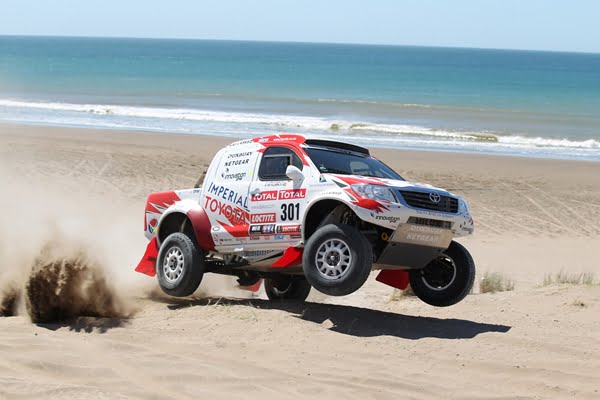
559 25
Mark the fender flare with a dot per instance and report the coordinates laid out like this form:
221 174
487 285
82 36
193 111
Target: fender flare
317 200
197 216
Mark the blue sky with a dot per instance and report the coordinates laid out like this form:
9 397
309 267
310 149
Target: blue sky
525 24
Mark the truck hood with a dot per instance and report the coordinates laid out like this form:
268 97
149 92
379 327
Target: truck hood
357 179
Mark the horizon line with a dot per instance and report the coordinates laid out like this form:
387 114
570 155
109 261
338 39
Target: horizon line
303 42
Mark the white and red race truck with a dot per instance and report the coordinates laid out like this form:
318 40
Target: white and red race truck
301 213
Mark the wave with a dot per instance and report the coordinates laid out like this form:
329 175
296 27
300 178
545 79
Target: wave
104 114
374 102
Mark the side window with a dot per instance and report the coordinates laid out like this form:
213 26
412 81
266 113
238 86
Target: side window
275 161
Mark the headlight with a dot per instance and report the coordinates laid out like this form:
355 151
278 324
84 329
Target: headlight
375 192
463 207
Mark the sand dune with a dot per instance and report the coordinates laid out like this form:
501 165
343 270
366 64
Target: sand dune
533 217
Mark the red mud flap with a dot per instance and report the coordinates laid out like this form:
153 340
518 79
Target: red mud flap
253 288
291 257
394 277
148 263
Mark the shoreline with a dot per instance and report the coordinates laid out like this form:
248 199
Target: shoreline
125 130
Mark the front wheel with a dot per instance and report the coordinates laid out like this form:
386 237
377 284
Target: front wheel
287 287
179 266
447 279
337 259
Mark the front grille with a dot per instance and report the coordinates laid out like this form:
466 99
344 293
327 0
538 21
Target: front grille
436 223
421 200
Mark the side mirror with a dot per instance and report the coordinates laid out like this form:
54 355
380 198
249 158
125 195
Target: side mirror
294 173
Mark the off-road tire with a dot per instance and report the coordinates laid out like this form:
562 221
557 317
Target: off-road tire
459 284
359 262
178 247
287 287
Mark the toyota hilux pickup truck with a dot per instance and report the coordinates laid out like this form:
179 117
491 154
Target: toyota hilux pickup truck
299 213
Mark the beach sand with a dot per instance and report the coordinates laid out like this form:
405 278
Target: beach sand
533 217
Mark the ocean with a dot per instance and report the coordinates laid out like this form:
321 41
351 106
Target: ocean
523 103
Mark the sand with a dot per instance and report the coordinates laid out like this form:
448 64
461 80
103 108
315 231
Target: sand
533 217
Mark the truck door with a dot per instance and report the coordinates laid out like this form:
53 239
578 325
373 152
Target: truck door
276 203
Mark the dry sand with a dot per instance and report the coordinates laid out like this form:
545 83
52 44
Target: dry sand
88 187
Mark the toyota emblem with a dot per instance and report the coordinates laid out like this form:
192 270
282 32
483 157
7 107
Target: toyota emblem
434 197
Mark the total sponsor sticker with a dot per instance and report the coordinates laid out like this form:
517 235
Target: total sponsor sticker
292 194
264 196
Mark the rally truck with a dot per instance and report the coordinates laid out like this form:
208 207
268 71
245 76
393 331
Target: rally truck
299 213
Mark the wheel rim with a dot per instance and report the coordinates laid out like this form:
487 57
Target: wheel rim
173 265
440 273
287 286
333 259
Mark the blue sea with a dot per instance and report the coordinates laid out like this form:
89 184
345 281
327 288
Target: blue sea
525 103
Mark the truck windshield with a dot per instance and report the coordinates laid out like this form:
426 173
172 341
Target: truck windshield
334 161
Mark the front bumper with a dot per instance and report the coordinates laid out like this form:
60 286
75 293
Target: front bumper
413 246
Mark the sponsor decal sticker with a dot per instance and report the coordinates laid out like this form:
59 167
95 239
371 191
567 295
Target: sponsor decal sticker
387 218
291 194
264 196
234 163
432 213
235 215
262 218
262 229
259 253
421 237
237 176
275 183
228 195
264 206
240 143
288 229
239 155
267 229
466 229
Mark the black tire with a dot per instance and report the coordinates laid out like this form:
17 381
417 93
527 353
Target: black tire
179 248
323 277
287 287
447 279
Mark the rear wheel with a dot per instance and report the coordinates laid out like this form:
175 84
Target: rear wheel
337 259
287 287
179 266
447 279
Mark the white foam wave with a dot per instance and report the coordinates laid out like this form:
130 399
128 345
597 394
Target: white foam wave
373 102
547 142
295 122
